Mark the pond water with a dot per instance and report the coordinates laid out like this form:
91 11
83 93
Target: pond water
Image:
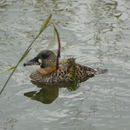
97 34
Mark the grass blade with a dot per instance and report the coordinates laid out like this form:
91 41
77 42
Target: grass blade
7 81
8 69
43 27
24 55
45 23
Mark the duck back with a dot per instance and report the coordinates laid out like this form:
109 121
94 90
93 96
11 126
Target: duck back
63 74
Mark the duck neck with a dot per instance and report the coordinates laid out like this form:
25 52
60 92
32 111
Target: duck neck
47 70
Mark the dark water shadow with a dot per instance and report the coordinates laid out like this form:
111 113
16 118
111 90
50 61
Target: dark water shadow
48 93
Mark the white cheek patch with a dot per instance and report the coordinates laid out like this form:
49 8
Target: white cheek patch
40 61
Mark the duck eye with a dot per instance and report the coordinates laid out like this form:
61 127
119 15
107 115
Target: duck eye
40 61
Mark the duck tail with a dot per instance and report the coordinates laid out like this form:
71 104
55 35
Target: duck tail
101 71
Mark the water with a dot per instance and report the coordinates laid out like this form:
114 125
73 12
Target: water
95 32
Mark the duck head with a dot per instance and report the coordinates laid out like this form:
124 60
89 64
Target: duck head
45 59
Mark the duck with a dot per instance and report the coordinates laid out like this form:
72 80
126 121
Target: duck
67 71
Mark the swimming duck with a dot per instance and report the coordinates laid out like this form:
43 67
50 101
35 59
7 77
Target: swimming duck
68 71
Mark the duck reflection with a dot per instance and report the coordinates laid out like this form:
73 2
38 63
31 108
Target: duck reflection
48 93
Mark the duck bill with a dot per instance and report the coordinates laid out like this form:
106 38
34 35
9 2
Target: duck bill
31 62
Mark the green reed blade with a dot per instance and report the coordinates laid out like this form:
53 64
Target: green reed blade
8 69
24 55
43 27
45 24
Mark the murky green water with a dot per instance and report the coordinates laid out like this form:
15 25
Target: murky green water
96 32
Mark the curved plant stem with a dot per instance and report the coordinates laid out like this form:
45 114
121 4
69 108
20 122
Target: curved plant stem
59 47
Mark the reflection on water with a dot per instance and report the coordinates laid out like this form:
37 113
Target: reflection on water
48 93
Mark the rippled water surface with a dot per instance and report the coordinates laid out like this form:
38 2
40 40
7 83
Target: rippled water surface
97 33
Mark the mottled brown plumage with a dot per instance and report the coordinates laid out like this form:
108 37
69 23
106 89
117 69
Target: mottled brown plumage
62 75
68 71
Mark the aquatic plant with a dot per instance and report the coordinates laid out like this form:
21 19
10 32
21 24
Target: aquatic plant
59 46
43 27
